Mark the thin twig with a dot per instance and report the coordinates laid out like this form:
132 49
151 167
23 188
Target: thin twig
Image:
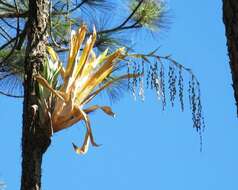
8 43
78 6
133 26
7 5
14 15
4 31
11 26
4 36
132 14
50 24
22 37
122 25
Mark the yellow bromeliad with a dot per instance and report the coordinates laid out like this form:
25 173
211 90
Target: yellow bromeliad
82 79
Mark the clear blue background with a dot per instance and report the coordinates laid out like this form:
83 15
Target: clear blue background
143 147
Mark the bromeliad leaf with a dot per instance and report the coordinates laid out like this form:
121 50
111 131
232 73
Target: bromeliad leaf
81 82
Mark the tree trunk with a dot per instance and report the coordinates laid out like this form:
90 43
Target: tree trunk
230 19
35 138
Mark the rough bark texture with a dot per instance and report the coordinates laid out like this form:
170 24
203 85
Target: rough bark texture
230 19
35 138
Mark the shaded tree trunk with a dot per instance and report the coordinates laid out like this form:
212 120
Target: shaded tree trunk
35 138
230 19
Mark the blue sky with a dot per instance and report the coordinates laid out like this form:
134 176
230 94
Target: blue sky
143 147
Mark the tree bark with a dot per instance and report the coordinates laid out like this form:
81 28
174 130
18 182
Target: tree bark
35 137
230 19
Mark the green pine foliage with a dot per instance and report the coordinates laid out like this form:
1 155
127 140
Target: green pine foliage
150 14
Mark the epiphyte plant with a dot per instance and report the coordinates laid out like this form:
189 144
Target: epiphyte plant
64 91
85 76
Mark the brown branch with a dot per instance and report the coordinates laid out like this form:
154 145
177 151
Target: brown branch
14 15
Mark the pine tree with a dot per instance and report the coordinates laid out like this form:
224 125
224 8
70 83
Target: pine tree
230 18
34 32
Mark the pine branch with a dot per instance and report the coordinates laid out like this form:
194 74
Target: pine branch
132 14
78 6
6 34
14 15
17 36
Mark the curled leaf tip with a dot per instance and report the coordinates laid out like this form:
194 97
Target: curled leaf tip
74 146
95 144
108 111
79 150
